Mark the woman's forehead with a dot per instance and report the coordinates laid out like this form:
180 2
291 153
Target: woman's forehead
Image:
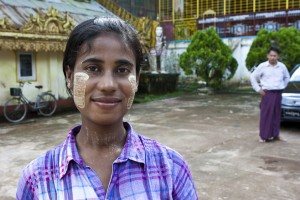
90 45
106 44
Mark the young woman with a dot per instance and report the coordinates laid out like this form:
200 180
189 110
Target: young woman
104 158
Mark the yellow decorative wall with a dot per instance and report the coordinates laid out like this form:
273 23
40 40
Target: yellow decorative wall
7 73
48 70
181 16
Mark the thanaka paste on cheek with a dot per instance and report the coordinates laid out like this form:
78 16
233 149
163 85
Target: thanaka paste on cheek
80 79
132 80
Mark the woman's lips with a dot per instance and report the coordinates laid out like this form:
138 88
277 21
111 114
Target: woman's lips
106 102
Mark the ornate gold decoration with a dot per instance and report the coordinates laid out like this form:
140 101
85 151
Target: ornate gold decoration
146 29
32 44
144 26
185 29
5 25
43 32
52 23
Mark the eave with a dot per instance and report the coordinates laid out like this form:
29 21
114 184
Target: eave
43 32
32 42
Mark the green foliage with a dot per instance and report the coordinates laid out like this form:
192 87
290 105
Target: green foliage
209 58
286 39
182 89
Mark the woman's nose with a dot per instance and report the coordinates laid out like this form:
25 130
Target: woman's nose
107 82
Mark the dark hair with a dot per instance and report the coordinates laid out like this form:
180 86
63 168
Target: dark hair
87 31
274 49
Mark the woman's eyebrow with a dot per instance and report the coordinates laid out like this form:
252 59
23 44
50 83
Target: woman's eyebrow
92 60
124 62
118 62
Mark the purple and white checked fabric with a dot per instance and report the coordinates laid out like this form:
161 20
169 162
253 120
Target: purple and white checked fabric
145 169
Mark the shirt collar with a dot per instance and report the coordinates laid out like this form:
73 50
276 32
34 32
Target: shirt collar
269 64
133 149
69 152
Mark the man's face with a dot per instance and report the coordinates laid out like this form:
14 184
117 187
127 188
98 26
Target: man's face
273 57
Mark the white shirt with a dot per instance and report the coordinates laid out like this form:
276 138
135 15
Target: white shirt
268 77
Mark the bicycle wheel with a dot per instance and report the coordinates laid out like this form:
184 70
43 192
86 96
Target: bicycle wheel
47 104
15 110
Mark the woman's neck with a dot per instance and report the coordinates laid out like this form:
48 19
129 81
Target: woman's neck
101 137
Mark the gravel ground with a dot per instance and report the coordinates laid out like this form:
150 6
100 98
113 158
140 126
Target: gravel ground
217 135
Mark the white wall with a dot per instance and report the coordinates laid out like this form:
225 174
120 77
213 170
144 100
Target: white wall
240 47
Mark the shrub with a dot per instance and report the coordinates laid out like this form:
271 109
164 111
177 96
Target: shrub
286 39
209 58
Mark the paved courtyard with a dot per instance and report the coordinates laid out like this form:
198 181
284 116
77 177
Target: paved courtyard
216 134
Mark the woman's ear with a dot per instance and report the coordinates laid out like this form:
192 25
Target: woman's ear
137 81
69 77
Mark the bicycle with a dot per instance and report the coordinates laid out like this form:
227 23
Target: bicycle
16 108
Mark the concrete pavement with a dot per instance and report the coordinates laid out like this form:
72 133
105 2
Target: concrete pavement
216 134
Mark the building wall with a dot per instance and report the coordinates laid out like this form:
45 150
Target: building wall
7 74
237 23
172 10
240 47
48 73
182 18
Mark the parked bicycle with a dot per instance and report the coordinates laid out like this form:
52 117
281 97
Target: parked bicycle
16 108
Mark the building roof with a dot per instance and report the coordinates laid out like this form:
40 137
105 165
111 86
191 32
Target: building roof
43 25
18 12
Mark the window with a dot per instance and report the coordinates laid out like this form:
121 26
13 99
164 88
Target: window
26 67
296 75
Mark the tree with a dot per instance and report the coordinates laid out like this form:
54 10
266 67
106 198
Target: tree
286 39
209 58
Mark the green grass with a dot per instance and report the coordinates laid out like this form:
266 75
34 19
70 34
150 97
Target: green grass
181 90
142 98
241 90
191 88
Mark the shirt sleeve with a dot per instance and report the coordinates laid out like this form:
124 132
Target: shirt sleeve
286 76
183 184
255 77
24 189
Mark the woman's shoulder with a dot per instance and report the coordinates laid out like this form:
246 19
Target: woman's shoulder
163 160
46 163
51 160
42 169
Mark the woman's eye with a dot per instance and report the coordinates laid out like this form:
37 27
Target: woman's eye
92 68
123 70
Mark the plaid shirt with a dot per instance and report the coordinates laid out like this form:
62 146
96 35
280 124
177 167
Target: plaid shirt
145 169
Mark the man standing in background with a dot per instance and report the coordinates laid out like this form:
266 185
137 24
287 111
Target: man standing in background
269 79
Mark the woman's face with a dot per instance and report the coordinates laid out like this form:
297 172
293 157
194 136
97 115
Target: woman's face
104 80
